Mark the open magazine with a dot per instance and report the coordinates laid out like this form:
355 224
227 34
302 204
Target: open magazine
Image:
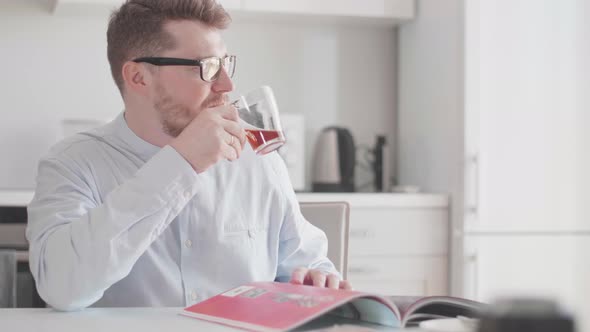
273 306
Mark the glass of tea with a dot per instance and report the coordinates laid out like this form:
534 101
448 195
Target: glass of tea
259 116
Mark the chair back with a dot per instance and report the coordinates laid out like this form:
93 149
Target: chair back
333 219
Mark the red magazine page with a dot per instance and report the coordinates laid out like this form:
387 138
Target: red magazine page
269 306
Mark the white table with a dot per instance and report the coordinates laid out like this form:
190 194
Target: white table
105 320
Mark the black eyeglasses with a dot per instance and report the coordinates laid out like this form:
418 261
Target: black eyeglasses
210 67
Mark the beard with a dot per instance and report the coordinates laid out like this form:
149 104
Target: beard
174 116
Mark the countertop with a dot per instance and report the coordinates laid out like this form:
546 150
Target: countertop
413 200
108 320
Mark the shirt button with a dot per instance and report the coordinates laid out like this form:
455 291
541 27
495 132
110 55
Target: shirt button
193 295
188 243
187 195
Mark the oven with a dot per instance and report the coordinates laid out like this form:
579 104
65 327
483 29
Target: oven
13 222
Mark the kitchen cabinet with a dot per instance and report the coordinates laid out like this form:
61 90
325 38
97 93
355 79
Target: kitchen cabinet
395 9
74 7
391 11
231 4
497 118
519 264
398 243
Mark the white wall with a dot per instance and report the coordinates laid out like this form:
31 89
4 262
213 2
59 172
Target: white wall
52 68
55 67
333 74
430 115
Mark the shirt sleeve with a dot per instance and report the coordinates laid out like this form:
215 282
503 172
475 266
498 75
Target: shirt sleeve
78 248
301 243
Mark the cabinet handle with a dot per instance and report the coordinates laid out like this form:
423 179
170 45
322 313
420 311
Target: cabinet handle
362 233
472 186
472 272
360 270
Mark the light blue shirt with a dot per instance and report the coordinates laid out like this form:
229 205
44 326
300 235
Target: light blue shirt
116 221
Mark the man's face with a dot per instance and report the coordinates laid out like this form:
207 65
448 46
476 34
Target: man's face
179 93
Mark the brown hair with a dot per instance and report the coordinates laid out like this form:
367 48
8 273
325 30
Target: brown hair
137 28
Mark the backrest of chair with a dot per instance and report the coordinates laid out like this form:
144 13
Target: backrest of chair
333 219
8 278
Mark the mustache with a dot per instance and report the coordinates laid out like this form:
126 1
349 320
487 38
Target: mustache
217 100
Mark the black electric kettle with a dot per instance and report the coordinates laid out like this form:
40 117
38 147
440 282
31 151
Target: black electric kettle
334 161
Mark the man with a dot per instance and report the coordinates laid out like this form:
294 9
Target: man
167 205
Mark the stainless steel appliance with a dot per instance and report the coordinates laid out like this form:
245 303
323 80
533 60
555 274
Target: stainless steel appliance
334 161
13 222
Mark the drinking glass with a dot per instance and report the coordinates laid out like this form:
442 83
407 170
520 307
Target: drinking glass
259 116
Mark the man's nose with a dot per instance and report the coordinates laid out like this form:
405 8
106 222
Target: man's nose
223 83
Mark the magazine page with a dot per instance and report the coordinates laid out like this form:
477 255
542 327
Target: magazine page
404 303
439 307
367 311
272 306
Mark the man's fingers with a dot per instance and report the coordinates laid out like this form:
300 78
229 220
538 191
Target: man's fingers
228 112
236 145
318 278
345 284
234 129
229 151
333 281
298 275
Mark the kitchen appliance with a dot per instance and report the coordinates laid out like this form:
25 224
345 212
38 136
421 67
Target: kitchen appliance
381 167
334 161
13 223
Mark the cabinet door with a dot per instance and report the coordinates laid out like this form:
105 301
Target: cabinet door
399 275
535 265
231 4
398 231
526 137
368 8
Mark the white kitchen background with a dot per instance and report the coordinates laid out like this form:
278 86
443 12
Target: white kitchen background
494 109
484 100
54 67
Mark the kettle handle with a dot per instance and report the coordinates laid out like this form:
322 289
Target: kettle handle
347 152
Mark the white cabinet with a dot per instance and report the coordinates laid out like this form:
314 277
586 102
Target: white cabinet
86 5
231 4
492 110
409 275
398 243
531 265
523 136
393 11
399 9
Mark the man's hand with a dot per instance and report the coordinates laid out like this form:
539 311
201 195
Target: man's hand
213 135
317 278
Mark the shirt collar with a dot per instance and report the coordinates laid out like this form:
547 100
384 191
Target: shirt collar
143 149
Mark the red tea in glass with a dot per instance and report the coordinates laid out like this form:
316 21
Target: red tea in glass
259 116
270 140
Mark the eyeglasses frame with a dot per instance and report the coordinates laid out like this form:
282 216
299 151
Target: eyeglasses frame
167 61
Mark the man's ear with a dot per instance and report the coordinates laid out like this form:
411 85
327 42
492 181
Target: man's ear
137 77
